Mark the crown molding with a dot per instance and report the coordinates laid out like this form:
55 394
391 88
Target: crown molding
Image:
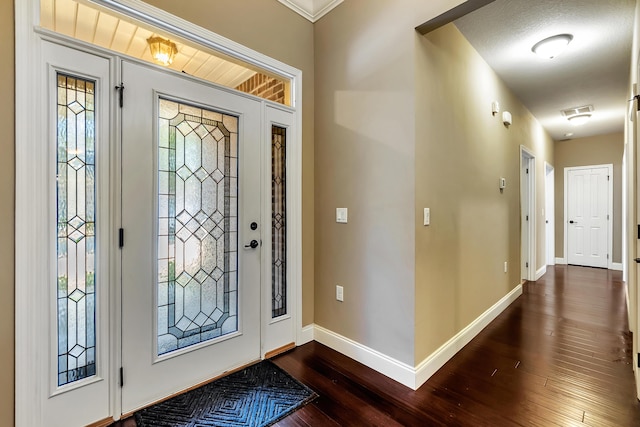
311 9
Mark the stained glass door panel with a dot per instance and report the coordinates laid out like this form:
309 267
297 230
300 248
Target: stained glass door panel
76 219
190 189
197 225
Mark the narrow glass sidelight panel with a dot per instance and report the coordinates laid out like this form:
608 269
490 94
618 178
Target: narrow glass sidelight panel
197 225
278 222
76 225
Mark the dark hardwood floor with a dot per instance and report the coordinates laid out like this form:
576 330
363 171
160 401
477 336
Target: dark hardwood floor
559 355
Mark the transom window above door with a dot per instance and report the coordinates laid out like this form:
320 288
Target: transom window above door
105 28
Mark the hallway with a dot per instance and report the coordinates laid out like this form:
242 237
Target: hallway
559 355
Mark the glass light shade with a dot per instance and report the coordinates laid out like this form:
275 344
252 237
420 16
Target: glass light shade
580 119
553 46
162 50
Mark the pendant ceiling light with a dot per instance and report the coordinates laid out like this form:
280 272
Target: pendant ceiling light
553 46
162 50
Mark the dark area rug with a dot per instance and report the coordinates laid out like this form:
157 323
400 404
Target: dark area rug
256 396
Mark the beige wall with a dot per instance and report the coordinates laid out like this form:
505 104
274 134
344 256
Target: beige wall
595 150
274 30
7 196
461 152
364 153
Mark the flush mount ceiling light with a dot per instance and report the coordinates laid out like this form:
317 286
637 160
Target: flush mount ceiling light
162 50
579 119
552 46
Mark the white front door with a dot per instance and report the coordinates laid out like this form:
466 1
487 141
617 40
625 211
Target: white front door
587 216
190 192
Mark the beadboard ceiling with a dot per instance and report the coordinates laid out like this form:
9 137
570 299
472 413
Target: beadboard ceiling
311 9
84 22
593 70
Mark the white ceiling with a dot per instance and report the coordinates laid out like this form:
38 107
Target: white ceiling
594 70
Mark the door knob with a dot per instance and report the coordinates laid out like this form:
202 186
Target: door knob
252 244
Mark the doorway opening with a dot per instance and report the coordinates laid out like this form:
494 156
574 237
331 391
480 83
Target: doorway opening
549 214
89 73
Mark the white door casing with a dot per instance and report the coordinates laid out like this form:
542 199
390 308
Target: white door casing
527 214
32 178
588 215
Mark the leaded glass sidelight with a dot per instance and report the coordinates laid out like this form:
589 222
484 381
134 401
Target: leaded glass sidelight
197 225
76 225
278 222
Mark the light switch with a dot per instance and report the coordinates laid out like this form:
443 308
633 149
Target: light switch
341 215
427 216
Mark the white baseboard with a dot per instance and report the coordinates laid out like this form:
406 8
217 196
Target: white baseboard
306 334
395 369
412 377
541 271
561 261
437 359
616 266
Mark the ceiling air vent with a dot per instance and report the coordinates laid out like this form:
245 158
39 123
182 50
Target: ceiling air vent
577 110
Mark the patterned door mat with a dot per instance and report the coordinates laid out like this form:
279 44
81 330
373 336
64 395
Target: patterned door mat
256 396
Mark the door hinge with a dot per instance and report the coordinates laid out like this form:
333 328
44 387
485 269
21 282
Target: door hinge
121 237
120 89
608 178
527 217
638 360
526 264
121 377
607 217
607 256
527 170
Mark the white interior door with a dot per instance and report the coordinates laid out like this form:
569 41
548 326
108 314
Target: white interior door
190 190
587 194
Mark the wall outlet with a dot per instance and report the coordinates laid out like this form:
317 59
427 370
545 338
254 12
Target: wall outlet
505 266
339 293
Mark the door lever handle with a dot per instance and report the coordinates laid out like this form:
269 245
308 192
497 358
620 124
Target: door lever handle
252 244
573 222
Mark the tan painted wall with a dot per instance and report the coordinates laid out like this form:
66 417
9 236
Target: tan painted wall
461 152
365 147
7 196
274 30
595 150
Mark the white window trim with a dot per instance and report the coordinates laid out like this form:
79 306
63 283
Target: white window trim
31 177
